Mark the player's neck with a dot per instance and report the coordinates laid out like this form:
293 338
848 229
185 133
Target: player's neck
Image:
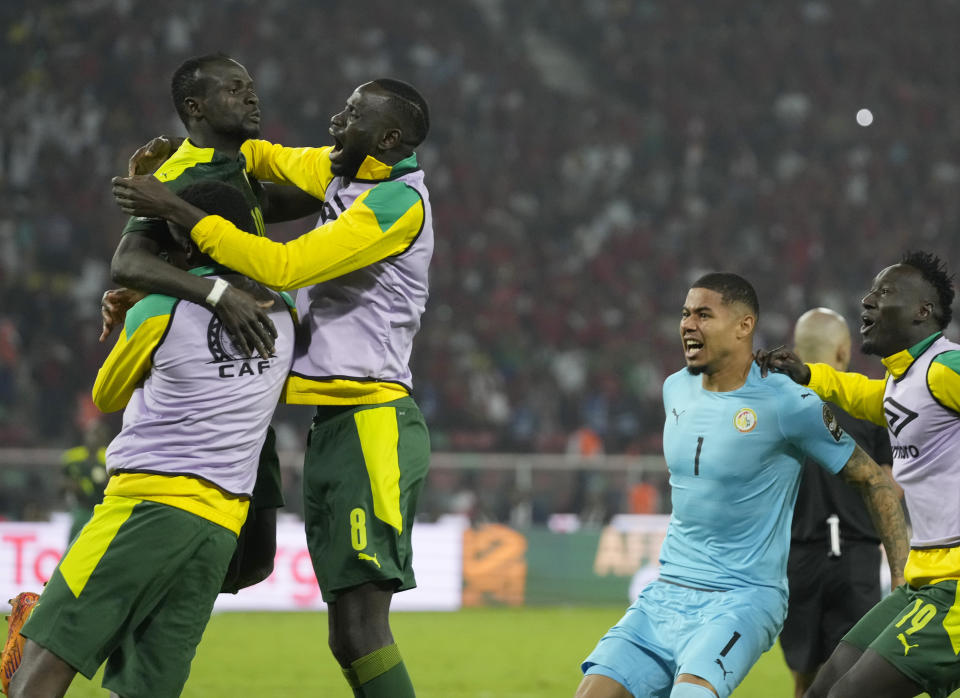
227 145
728 377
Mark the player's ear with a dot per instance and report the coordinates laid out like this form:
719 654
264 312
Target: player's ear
392 137
925 312
746 325
192 107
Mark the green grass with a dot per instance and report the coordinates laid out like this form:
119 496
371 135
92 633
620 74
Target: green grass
475 653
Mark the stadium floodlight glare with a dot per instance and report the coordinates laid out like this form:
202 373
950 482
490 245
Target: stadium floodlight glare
864 117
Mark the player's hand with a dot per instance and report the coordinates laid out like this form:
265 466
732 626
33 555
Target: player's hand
143 195
149 157
114 306
247 322
780 360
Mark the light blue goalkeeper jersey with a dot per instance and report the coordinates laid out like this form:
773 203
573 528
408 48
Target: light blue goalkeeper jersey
735 460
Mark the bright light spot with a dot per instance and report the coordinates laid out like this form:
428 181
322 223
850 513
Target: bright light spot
864 117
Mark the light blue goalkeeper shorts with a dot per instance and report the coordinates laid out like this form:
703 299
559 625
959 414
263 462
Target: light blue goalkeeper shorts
671 630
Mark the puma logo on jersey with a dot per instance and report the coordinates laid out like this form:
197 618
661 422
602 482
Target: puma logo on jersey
723 669
371 558
677 414
906 645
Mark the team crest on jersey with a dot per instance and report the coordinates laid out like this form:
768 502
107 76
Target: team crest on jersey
831 423
219 343
745 420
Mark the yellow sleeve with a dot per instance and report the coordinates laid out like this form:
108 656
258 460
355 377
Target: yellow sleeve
129 360
305 168
858 395
382 222
944 379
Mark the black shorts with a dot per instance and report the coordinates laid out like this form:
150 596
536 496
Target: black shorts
827 598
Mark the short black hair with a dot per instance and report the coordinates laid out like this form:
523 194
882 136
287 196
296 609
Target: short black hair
410 106
220 199
186 81
732 288
934 272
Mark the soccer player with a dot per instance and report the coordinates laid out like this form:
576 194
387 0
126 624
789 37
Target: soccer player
137 585
909 642
734 444
85 474
363 280
215 99
834 565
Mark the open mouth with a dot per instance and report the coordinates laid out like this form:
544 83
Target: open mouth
867 324
337 149
691 347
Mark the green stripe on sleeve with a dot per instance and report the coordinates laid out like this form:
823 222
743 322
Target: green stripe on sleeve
950 359
151 306
389 201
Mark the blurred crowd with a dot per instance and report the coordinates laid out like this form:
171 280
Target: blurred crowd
588 159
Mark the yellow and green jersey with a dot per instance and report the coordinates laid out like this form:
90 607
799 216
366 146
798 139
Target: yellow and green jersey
189 165
918 401
362 273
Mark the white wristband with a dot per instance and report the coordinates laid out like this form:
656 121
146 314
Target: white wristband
219 286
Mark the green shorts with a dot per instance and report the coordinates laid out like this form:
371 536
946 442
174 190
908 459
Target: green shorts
268 490
257 543
135 589
364 469
918 632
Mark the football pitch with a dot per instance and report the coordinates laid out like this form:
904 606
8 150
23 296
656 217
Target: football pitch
474 653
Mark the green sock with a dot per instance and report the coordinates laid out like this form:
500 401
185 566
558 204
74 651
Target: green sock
382 674
351 676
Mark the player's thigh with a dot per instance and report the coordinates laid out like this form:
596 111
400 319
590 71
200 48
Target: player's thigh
154 659
600 686
363 474
112 577
874 676
922 640
801 635
734 631
639 651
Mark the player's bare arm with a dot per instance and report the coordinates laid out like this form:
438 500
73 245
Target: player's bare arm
783 361
882 502
136 265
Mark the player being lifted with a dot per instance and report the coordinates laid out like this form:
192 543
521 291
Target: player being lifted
734 444
363 280
909 642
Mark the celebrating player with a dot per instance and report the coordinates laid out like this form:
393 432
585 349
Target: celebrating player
734 444
138 584
908 643
363 281
834 564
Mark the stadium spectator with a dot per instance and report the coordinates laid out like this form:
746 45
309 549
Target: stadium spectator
834 565
734 444
362 276
906 644
735 122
